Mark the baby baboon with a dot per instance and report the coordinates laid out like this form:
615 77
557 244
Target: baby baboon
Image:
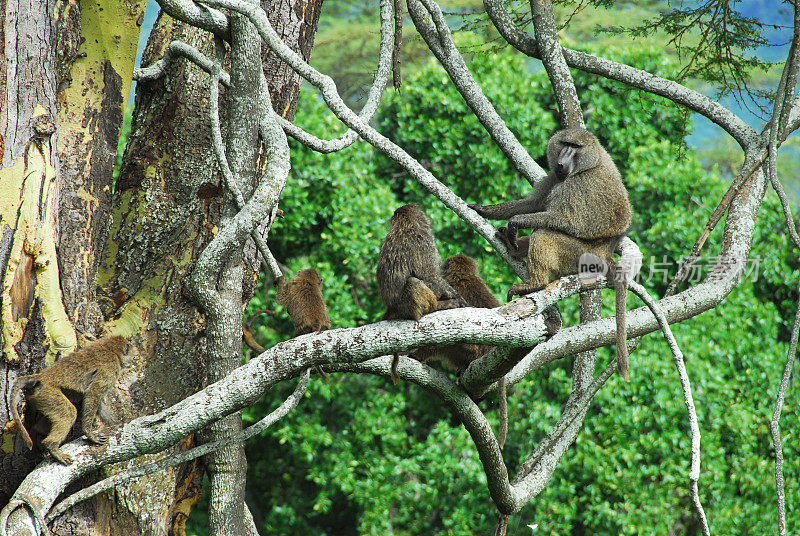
91 371
581 207
302 297
462 273
409 276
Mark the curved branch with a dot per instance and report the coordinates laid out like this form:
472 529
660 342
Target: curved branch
695 101
481 374
329 93
437 36
724 278
508 498
198 15
270 264
245 385
373 98
281 411
178 49
694 471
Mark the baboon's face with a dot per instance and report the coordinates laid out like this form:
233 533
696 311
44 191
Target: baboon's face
571 151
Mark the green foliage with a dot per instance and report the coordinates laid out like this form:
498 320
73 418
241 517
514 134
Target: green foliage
363 456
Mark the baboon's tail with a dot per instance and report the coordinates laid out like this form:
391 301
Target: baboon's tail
621 292
19 385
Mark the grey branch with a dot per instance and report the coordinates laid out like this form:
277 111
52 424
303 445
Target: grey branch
432 26
643 80
178 49
508 498
706 295
270 264
158 69
775 422
198 15
281 411
549 48
782 95
373 98
677 356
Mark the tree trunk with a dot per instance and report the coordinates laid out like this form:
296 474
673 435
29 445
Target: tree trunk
127 277
60 115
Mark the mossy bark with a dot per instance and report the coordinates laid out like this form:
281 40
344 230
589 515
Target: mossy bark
61 95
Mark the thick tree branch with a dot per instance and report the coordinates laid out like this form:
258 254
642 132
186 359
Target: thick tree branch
278 413
549 48
270 264
723 279
480 376
432 26
198 15
695 101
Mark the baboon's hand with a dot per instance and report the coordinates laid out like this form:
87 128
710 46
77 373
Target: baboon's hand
511 236
99 436
502 234
480 209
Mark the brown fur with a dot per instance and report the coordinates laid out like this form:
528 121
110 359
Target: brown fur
91 371
302 297
462 274
409 276
408 271
582 206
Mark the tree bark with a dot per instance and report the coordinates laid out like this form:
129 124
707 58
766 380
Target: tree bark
60 113
75 61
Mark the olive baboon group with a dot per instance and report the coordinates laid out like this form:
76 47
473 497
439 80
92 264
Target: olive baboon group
581 207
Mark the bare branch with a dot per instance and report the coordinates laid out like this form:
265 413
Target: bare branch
198 15
373 98
507 497
725 276
747 172
437 35
178 49
775 423
695 101
270 264
281 411
549 48
772 165
790 72
158 69
677 356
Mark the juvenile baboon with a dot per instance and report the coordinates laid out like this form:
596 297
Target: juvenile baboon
462 273
409 276
91 371
581 207
302 297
